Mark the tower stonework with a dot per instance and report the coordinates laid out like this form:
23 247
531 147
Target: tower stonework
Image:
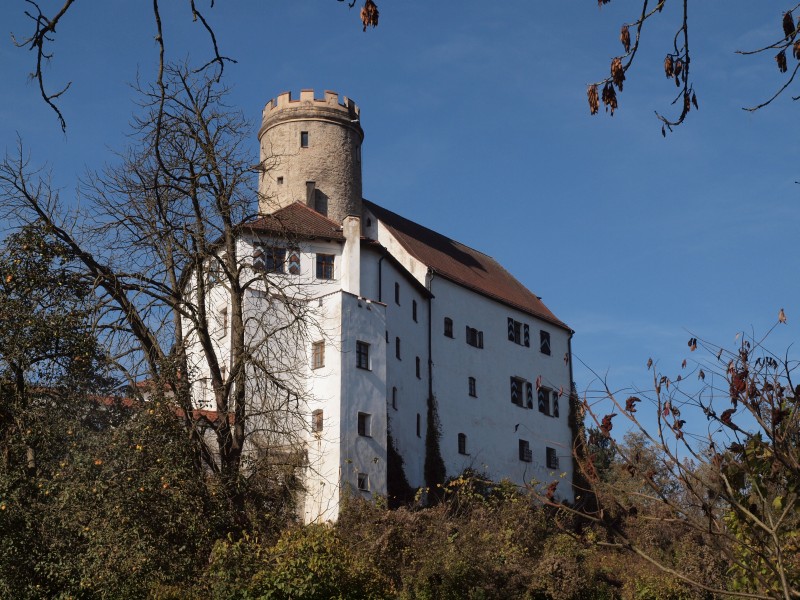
311 153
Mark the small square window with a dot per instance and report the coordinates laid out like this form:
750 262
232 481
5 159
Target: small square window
448 327
525 454
414 310
362 355
473 389
317 355
397 348
363 482
325 266
462 443
304 139
552 458
316 421
544 342
364 424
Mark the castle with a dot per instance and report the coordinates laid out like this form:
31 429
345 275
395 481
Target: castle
426 356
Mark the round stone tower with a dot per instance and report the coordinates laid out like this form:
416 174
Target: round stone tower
311 153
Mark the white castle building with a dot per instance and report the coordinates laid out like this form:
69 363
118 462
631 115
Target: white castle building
427 357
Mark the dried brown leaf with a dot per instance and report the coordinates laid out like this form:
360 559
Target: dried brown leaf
625 38
594 99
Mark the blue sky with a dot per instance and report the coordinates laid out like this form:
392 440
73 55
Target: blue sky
477 125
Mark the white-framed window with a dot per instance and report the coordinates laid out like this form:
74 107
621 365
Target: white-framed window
519 333
362 355
364 424
317 355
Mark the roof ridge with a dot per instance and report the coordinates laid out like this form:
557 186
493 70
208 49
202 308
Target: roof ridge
433 231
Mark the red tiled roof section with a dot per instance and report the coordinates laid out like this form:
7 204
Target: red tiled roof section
297 219
462 264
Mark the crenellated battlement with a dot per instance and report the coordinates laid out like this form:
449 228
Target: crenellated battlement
330 101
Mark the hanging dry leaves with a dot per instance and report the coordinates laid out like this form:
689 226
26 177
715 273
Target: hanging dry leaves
649 363
369 14
781 316
788 25
594 99
780 58
630 404
701 375
601 2
609 98
694 101
617 72
669 66
625 38
686 102
606 425
692 344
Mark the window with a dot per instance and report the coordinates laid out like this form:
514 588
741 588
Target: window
397 348
317 355
516 390
316 421
414 310
396 293
555 404
419 426
473 390
462 443
544 342
529 394
474 337
363 482
280 180
544 401
364 423
223 319
519 333
448 327
552 458
419 369
362 355
324 266
525 454
394 398
304 139
294 262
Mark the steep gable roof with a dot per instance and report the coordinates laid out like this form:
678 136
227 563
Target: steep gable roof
462 264
299 220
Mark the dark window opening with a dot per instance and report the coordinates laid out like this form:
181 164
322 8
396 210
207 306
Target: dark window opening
462 443
525 453
316 421
317 355
473 389
419 426
519 333
362 355
544 342
397 348
325 266
543 398
397 293
364 423
552 458
363 482
419 369
304 139
474 337
448 327
280 180
394 398
414 310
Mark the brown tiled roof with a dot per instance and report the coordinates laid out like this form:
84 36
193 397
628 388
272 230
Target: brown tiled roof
299 220
462 264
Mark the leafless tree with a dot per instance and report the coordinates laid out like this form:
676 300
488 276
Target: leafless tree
159 236
716 456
